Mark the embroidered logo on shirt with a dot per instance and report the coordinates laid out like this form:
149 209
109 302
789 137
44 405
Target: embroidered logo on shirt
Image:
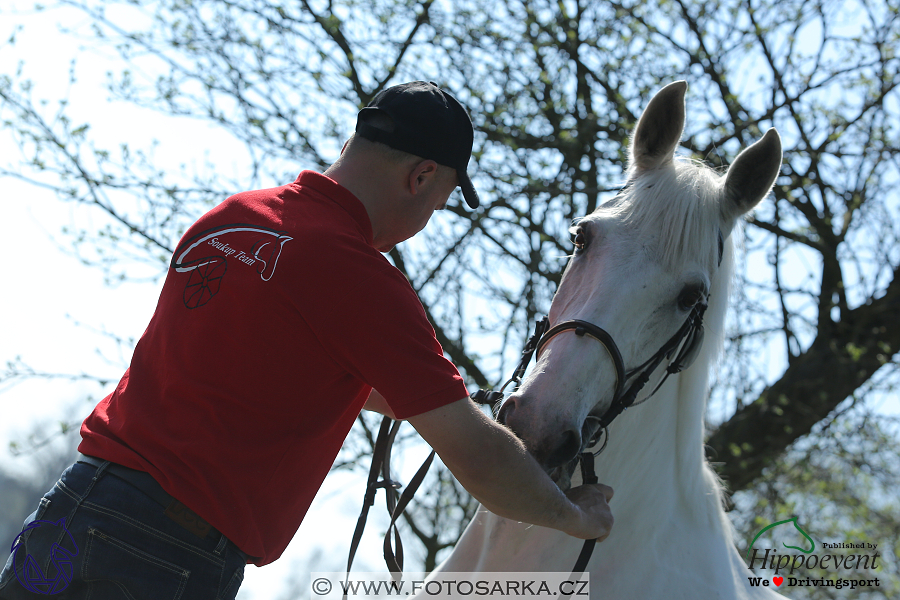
206 256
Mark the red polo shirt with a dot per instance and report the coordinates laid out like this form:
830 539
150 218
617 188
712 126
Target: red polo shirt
276 320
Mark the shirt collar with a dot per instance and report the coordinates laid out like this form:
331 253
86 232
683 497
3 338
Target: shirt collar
331 189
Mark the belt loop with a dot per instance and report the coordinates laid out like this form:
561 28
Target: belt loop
97 475
101 470
223 543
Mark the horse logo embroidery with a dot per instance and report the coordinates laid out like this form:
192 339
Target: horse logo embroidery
253 246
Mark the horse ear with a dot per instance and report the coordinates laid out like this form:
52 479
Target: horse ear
752 175
659 129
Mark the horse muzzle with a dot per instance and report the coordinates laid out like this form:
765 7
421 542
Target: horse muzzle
555 446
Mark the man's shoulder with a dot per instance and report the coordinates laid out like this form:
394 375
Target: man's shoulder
291 208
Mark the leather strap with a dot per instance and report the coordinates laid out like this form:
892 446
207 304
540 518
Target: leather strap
584 328
588 476
382 446
381 463
492 397
394 559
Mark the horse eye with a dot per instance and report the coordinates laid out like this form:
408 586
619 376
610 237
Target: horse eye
690 297
580 241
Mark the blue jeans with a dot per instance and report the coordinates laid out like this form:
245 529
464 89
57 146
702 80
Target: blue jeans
96 536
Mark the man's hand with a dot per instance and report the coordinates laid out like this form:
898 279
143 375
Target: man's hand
494 466
593 500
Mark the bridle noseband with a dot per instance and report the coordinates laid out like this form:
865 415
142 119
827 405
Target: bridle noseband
688 338
581 329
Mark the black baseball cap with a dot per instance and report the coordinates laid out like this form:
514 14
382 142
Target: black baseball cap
426 121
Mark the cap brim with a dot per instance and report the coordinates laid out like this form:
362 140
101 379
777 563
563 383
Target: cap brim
468 189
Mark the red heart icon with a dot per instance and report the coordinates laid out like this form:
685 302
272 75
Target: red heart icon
778 580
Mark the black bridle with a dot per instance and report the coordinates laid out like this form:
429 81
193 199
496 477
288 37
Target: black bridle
680 350
687 341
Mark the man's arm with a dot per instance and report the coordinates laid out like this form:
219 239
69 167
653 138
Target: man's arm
494 466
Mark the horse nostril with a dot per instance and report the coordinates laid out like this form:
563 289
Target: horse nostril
567 448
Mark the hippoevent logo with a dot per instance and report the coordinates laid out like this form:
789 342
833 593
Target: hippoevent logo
831 569
57 571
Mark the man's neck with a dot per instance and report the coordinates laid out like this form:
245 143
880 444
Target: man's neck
372 187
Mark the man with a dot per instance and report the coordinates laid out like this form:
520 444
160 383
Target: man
278 321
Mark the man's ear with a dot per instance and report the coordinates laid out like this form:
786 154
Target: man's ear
423 173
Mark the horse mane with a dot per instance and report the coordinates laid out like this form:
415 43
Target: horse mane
694 389
678 205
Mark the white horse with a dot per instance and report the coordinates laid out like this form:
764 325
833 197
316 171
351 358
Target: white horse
642 261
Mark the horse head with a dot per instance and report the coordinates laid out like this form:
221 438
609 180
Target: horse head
644 263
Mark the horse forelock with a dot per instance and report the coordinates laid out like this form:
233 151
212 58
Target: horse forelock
678 206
